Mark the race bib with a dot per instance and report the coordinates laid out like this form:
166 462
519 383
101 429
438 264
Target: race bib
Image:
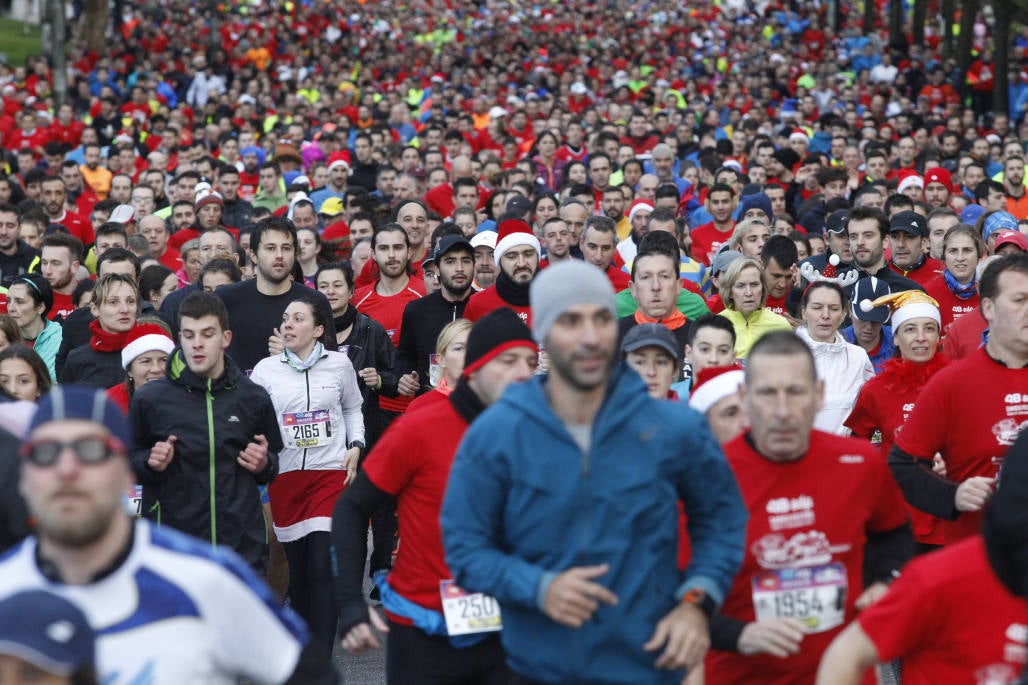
306 429
468 613
815 596
134 501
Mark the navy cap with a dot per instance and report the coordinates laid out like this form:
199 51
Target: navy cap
837 221
449 243
651 335
47 631
80 402
910 222
870 288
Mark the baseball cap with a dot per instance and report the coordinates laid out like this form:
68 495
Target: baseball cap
651 335
870 288
123 214
1006 237
971 214
721 260
47 631
484 239
837 221
910 222
450 243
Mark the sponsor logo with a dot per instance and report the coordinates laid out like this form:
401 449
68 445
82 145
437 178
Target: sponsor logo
909 406
1007 430
233 419
852 458
801 549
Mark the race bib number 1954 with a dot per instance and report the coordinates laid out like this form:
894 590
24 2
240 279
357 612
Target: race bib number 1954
814 595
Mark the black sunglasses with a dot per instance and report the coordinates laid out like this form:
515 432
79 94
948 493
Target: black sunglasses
88 450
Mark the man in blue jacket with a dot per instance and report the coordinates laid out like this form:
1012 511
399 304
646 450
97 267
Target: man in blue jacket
562 504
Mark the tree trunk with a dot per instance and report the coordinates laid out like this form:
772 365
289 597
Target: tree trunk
1001 60
895 22
964 43
869 16
948 10
94 24
57 57
920 9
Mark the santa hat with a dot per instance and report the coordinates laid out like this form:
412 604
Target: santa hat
339 159
713 384
938 175
909 179
639 206
511 233
206 196
147 337
906 305
799 135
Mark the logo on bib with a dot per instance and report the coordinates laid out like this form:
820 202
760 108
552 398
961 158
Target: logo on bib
802 549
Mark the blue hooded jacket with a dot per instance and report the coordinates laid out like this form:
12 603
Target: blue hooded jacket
524 503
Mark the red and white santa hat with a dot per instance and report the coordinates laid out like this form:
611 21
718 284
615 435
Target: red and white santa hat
146 337
207 196
713 384
799 135
511 233
639 206
909 179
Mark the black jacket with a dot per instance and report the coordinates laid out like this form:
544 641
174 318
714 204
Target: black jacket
14 517
423 320
17 263
86 366
237 214
212 420
367 346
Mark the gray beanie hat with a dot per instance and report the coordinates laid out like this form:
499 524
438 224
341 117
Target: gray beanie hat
564 285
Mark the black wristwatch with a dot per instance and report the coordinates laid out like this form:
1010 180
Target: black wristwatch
359 444
701 600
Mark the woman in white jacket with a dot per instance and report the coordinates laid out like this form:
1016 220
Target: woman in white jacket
842 367
318 404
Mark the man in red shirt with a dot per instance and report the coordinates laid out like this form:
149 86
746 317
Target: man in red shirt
412 463
947 618
779 256
60 261
517 255
53 195
598 242
972 411
153 228
708 238
822 508
908 242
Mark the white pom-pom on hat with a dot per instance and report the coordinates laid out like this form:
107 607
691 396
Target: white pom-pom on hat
866 305
833 260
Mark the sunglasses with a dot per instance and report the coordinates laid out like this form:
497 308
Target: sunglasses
88 450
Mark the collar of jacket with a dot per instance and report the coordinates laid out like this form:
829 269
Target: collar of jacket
178 371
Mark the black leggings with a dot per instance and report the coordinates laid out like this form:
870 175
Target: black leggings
415 658
311 586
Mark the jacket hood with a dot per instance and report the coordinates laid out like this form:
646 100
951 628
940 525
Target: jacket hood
626 397
178 371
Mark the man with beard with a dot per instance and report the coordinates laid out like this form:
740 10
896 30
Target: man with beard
424 318
97 177
485 262
708 238
255 306
15 254
517 255
638 220
868 229
237 212
60 261
86 549
613 206
53 195
558 526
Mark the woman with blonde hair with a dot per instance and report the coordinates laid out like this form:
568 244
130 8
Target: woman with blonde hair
744 294
449 361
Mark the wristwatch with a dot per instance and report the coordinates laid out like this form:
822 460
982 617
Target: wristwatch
701 600
356 443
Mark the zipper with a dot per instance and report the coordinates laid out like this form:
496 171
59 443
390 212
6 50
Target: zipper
307 381
210 460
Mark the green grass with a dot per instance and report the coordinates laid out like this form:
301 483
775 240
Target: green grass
15 43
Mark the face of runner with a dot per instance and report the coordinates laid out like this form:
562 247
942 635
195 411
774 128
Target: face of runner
274 256
118 309
917 339
333 285
727 418
581 346
147 367
657 369
299 329
511 366
781 397
823 314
